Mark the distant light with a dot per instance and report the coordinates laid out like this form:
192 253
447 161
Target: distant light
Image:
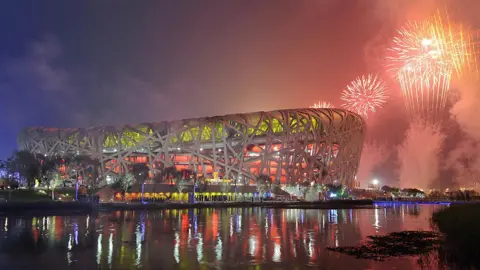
375 182
426 42
178 148
275 148
220 150
109 179
201 149
333 195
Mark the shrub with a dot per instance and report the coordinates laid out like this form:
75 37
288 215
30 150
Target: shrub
459 224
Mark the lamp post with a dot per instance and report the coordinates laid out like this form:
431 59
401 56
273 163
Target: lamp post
235 188
76 185
194 183
142 178
143 190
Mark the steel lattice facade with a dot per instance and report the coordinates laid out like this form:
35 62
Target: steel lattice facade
288 145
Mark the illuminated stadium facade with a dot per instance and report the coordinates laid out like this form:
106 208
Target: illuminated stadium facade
322 145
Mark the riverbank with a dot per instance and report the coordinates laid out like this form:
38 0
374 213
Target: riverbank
447 202
59 208
46 208
336 204
23 195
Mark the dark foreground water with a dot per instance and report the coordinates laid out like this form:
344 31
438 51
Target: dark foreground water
234 238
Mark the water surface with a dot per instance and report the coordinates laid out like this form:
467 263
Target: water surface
231 238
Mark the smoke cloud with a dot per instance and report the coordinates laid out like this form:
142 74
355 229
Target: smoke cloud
466 110
390 15
373 154
419 156
464 160
465 163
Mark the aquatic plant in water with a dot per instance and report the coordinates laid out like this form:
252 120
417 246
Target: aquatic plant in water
397 244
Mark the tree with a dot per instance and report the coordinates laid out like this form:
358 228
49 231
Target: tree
413 192
180 184
337 189
225 186
395 190
202 184
157 178
90 168
140 173
187 174
54 180
6 166
304 186
126 182
275 187
87 168
94 177
292 190
79 163
26 165
245 181
49 166
170 173
263 184
386 189
175 177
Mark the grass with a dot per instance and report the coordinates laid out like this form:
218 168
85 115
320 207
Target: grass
23 201
23 195
460 225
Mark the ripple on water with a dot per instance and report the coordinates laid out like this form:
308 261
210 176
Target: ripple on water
205 238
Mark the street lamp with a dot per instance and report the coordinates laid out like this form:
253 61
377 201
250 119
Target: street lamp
194 182
76 185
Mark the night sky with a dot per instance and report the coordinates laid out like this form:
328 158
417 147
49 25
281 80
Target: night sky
86 63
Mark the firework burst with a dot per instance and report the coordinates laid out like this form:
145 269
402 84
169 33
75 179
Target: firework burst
432 47
424 57
365 94
419 49
322 104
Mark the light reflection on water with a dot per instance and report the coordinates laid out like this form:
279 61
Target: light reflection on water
204 238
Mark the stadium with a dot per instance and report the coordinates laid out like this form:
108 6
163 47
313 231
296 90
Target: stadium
322 145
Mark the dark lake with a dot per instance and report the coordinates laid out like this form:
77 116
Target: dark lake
230 238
